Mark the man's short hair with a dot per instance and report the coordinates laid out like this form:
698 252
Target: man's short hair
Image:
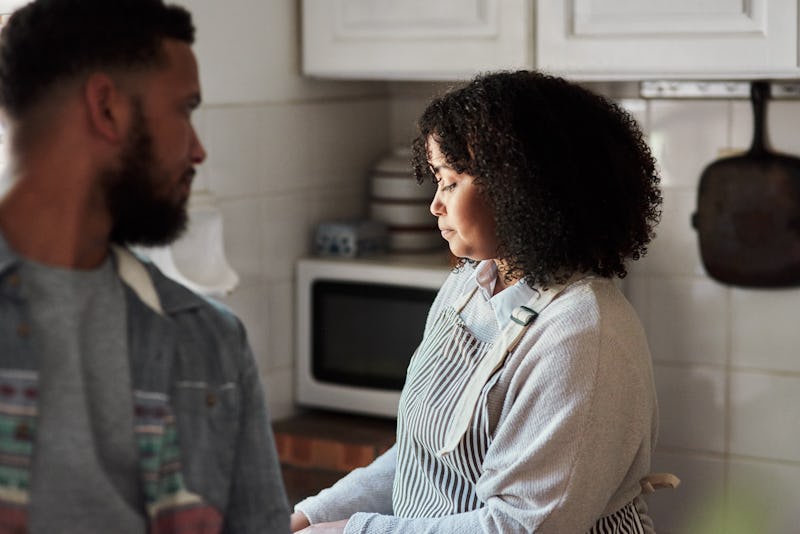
48 42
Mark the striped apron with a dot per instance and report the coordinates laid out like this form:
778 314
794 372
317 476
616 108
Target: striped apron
443 421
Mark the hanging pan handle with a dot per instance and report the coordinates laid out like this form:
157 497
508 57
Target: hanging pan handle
759 94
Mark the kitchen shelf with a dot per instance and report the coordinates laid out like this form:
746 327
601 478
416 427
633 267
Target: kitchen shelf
316 448
713 89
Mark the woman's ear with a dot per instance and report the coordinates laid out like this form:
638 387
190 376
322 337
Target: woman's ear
107 107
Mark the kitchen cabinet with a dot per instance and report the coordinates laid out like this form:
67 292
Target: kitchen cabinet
7 6
415 39
580 39
641 39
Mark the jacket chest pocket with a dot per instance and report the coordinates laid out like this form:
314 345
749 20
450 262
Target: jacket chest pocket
208 427
187 443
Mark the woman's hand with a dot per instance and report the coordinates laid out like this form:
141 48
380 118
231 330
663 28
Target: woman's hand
336 527
298 521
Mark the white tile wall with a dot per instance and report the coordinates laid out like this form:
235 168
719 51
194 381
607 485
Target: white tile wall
279 386
699 497
764 419
245 249
685 136
783 116
284 153
674 252
408 101
764 329
691 407
727 359
763 496
249 52
681 304
274 180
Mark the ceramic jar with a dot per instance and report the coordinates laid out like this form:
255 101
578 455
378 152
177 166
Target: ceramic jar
397 200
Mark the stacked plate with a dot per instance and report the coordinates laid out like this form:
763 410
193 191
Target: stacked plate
403 205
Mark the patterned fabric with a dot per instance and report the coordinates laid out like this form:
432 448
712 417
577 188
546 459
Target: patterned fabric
426 484
171 507
623 521
18 394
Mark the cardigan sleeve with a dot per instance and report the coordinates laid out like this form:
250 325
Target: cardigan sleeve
574 433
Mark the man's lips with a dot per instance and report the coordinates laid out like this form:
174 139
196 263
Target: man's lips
188 177
185 183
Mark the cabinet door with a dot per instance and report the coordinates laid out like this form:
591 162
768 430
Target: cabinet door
628 39
415 39
8 6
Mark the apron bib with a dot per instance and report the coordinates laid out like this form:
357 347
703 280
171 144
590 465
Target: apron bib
443 424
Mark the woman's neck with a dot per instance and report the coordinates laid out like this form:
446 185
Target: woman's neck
503 279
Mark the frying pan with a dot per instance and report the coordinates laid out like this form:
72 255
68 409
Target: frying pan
748 212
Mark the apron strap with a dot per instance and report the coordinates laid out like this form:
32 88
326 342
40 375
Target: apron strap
657 481
521 319
462 301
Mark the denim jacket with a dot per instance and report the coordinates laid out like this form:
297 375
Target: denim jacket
207 455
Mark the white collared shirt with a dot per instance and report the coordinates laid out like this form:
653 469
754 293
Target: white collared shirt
507 300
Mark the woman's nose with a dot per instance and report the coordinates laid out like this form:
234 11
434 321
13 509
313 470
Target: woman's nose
437 206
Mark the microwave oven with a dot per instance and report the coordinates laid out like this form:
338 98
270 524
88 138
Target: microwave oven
359 321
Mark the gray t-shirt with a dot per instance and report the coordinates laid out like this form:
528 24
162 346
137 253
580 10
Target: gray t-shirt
85 475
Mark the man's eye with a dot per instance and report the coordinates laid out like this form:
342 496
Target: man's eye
449 187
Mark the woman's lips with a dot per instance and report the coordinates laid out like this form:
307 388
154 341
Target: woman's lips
446 232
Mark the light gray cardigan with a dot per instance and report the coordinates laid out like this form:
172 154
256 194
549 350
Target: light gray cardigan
576 416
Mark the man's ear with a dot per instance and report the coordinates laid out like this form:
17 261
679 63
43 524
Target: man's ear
107 107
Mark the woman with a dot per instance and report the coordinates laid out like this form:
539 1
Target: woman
529 405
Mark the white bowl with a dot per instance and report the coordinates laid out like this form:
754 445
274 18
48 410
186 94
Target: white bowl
386 187
397 162
415 214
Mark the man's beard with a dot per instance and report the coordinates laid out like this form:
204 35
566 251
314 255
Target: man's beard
140 216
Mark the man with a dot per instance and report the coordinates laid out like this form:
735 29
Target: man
127 403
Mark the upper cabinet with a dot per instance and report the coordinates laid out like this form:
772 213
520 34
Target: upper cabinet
415 39
581 39
640 39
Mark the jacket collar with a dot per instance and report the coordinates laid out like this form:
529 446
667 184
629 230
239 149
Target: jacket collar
160 293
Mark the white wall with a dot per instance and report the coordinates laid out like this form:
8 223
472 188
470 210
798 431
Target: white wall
284 153
727 360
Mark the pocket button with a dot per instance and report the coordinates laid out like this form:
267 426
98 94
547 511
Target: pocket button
23 330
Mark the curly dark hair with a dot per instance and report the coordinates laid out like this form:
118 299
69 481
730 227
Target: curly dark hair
49 41
570 180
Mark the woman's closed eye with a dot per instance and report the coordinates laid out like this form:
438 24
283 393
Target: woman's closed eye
445 186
